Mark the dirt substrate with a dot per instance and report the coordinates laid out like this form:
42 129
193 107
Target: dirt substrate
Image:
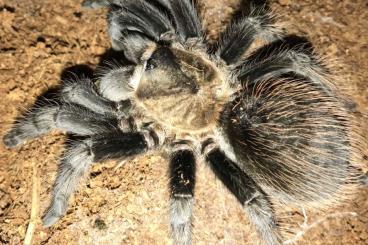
40 40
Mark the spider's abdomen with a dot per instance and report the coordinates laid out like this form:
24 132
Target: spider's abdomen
292 137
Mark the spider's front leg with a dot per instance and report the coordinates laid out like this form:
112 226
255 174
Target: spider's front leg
182 181
82 92
67 117
255 202
82 110
256 23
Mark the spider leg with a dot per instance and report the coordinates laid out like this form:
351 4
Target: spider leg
136 25
82 92
81 155
115 84
84 113
182 181
67 117
132 43
151 15
240 34
185 18
271 61
139 16
249 194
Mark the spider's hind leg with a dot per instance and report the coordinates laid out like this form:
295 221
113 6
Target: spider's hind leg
78 158
182 181
249 194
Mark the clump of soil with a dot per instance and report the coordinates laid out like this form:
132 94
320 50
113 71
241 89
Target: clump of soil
41 41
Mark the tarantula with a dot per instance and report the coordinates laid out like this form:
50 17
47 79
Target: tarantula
267 122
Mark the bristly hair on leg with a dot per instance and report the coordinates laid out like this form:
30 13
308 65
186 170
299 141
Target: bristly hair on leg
182 182
138 16
259 23
78 158
253 199
185 18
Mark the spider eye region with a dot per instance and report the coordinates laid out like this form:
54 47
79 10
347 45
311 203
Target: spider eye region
151 64
165 76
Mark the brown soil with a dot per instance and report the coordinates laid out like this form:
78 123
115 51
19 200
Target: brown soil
128 205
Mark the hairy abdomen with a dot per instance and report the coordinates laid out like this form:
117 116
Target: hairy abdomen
292 137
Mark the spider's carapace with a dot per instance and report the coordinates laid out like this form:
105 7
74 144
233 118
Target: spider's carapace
182 90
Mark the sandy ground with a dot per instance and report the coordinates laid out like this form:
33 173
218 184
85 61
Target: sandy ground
41 40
